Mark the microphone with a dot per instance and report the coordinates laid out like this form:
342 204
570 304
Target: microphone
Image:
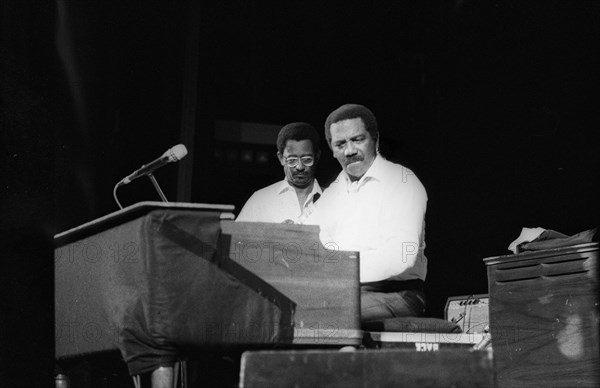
174 154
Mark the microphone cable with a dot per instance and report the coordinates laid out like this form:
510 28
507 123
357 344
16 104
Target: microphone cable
115 195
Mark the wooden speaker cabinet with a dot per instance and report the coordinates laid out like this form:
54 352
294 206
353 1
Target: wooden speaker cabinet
544 317
366 368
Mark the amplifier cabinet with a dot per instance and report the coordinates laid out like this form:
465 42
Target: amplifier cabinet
470 312
544 317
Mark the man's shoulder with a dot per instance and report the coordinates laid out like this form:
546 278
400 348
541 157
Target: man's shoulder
270 189
331 185
401 175
394 167
259 203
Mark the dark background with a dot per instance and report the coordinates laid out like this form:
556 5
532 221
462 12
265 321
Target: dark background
493 104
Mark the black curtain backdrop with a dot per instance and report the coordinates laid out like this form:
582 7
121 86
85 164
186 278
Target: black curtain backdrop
492 104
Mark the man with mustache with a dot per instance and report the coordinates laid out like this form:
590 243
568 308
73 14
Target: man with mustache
292 199
377 208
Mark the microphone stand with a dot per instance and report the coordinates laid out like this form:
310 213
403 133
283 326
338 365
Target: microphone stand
157 187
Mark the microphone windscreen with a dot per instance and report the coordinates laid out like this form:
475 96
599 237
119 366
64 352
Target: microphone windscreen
176 153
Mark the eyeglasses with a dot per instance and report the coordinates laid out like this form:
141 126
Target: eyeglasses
293 161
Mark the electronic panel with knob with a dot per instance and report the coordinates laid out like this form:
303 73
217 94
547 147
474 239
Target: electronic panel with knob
470 312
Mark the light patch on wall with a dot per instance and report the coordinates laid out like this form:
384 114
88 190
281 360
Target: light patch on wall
262 157
247 156
244 132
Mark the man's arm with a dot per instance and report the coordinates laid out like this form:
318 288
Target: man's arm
250 212
397 249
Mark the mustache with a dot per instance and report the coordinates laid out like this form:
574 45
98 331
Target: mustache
355 158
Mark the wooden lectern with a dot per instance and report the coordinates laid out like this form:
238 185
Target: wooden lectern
155 278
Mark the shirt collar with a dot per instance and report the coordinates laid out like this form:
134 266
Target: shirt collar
284 186
376 172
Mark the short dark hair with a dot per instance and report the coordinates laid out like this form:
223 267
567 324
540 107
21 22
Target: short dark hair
298 131
352 111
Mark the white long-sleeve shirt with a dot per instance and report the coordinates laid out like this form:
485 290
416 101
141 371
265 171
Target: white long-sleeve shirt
382 216
277 203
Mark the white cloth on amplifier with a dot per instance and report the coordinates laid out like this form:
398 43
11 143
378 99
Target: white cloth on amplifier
527 235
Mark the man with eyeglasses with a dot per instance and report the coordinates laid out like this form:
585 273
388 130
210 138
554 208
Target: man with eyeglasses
292 199
377 208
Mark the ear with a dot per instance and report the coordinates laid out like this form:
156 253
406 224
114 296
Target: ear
317 156
280 157
329 143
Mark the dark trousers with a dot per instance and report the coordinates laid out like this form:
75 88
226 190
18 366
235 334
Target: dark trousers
391 299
